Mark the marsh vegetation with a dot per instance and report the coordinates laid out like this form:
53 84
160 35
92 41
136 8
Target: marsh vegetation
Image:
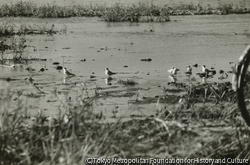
183 118
213 130
142 12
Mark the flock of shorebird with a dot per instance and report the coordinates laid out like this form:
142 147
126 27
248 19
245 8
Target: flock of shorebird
107 72
206 73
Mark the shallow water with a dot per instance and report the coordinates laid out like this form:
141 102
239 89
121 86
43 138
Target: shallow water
211 40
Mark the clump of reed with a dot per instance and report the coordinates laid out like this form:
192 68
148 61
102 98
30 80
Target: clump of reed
16 9
221 8
16 46
28 9
7 27
55 11
141 12
127 82
37 29
135 13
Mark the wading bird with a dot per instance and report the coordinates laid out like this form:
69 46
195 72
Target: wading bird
189 70
108 72
173 71
67 73
205 70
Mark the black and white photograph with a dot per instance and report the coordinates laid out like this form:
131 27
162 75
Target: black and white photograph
124 82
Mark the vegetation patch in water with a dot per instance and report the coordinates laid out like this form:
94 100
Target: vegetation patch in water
13 46
127 82
9 28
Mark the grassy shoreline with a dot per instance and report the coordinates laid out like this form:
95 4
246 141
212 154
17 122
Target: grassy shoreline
77 133
119 12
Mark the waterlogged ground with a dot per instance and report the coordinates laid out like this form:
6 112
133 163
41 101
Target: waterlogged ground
91 45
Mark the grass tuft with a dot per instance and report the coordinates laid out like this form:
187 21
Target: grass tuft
127 82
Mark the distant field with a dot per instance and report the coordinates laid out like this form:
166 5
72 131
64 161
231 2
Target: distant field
245 3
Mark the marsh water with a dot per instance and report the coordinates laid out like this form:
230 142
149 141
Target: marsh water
90 45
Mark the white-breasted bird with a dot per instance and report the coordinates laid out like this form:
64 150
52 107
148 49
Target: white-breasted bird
206 72
67 73
204 69
108 72
173 71
189 70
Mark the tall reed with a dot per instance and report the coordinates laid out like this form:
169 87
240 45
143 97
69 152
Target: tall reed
117 12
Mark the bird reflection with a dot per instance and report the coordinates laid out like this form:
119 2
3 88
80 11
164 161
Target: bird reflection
204 80
172 78
189 76
66 78
108 81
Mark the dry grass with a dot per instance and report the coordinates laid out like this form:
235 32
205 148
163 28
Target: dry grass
77 133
